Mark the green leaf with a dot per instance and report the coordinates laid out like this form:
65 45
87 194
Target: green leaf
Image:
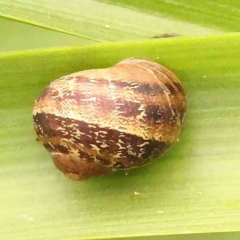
18 36
207 236
220 14
98 21
193 188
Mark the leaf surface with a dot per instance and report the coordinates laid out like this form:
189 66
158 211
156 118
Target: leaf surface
193 188
99 21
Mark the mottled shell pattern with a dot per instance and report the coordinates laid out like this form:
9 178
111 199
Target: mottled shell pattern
97 121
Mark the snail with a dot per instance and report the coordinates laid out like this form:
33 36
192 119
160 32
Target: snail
97 121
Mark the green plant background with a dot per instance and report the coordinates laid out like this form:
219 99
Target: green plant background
194 188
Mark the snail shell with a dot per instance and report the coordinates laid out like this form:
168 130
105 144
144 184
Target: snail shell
97 121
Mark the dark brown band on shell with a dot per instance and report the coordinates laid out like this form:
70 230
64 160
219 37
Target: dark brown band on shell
107 146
